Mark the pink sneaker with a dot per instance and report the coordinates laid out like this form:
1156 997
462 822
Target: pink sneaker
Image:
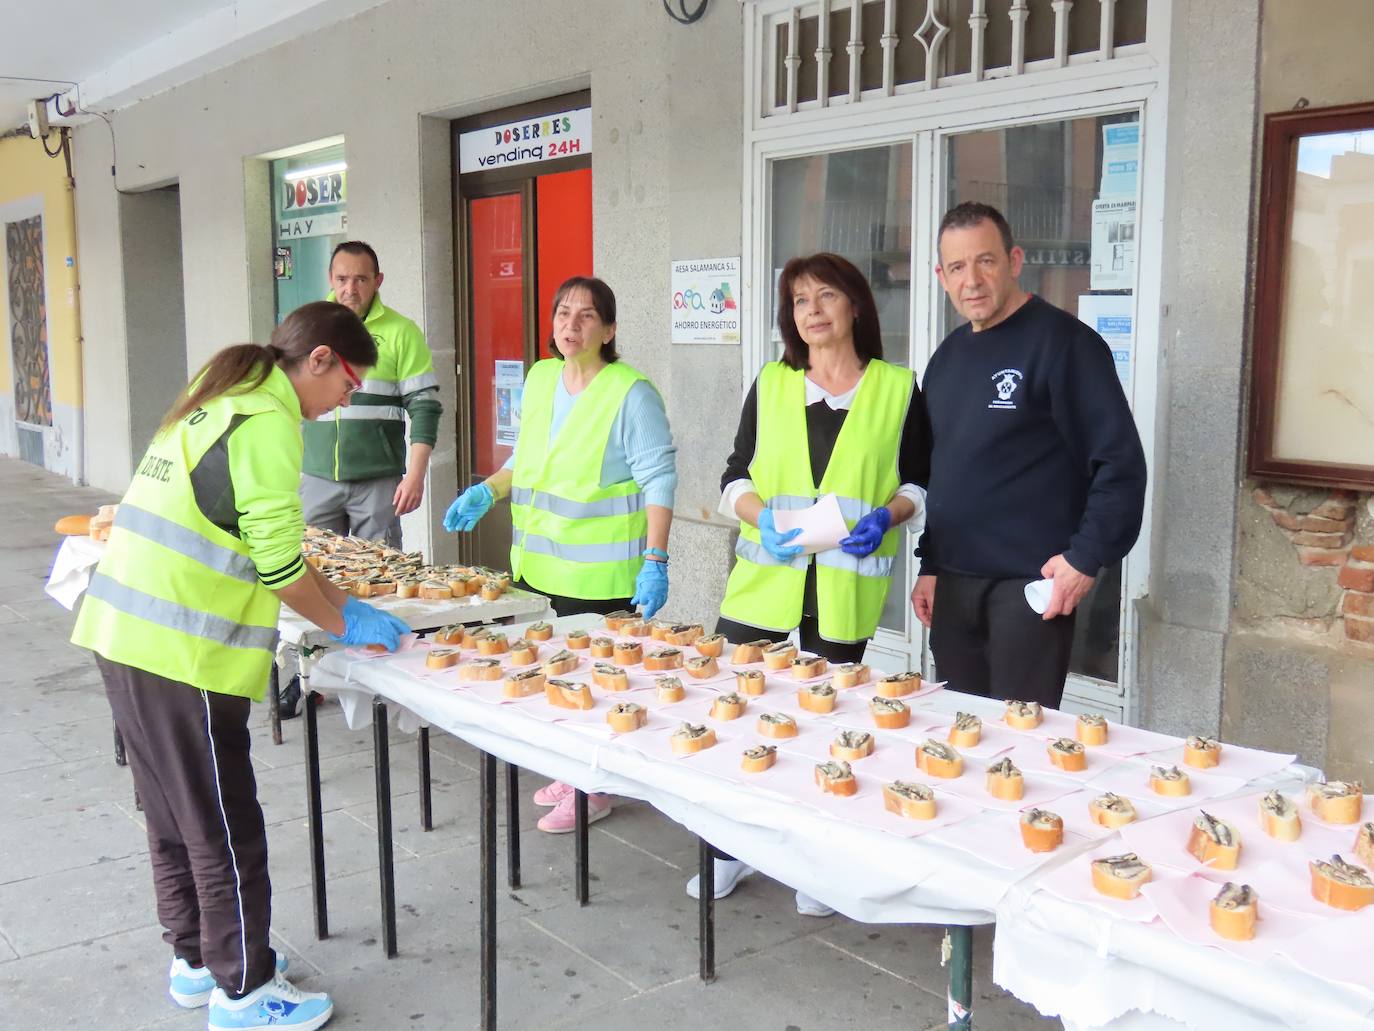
552 794
563 818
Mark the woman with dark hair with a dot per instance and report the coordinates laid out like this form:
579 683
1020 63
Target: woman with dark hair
591 484
830 418
182 615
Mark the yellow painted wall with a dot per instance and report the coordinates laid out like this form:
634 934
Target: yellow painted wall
26 172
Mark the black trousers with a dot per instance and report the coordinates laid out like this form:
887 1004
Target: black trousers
188 750
987 641
572 606
808 630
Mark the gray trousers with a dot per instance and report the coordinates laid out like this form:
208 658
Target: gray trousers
363 508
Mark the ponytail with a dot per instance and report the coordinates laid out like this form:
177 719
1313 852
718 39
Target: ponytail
245 367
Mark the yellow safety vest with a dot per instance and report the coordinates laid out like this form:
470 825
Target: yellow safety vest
177 594
862 473
571 536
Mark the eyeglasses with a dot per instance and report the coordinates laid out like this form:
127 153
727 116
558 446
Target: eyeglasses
348 369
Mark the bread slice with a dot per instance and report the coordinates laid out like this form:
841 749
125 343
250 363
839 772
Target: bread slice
1364 844
635 628
601 647
559 663
540 631
1005 781
660 628
407 588
808 668
684 634
1169 781
750 682
567 695
451 636
966 731
660 659
758 758
913 801
776 725
442 658
779 655
1214 842
435 590
491 590
1068 755
692 737
728 707
836 778
1111 810
1201 752
74 526
578 640
1336 801
1278 817
1341 885
1023 715
480 669
849 674
626 653
1091 729
1234 911
524 684
617 619
669 689
609 677
1041 830
702 667
492 643
937 759
817 697
626 716
852 744
889 713
713 645
751 651
1120 877
523 653
899 685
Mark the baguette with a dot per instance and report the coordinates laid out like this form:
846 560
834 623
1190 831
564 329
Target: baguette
1091 729
670 689
817 697
849 674
1214 842
1341 885
758 758
610 678
836 778
1023 715
522 685
1169 781
74 526
1364 844
1201 752
913 801
561 662
776 725
458 585
1120 877
966 731
728 707
703 667
1336 801
479 669
899 685
567 695
1068 754
745 654
1111 811
635 628
937 759
660 659
1041 830
540 631
492 643
684 634
617 619
692 737
1278 817
712 646
750 682
1234 911
779 655
627 716
889 713
578 640
441 658
523 653
808 668
451 636
491 590
627 653
852 744
602 647
1005 781
660 628
407 588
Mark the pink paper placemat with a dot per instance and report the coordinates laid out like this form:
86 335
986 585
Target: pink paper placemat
866 808
724 761
1032 756
1133 779
1040 791
699 698
782 697
407 642
657 745
1073 808
1074 882
1316 840
1184 904
1244 763
1337 948
994 740
1127 741
996 838
868 690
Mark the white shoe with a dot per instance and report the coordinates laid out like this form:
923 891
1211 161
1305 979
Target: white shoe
729 872
278 1004
807 906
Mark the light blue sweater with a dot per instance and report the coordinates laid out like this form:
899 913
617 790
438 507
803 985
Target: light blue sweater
640 447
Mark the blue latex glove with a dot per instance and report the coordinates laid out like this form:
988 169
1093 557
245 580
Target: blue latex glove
775 543
364 624
651 587
468 508
868 533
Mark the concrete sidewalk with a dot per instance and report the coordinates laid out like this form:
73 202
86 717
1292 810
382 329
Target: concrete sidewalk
80 946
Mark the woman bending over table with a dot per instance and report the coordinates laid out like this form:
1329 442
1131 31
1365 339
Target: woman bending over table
591 483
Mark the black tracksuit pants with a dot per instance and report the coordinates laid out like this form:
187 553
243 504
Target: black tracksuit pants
188 750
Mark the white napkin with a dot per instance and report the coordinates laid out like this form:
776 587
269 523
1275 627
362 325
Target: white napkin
1038 594
71 569
822 525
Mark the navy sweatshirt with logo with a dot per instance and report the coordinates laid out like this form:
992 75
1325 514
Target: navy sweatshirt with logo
1034 451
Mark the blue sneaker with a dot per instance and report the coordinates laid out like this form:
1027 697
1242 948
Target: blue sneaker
190 987
278 1003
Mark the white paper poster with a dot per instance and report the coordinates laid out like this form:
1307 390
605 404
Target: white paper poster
1120 159
1113 244
705 301
509 383
1111 316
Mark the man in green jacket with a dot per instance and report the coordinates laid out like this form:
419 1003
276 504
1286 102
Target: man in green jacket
358 477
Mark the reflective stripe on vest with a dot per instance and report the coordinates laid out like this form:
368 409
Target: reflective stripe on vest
178 538
380 387
395 412
619 551
566 508
424 381
178 617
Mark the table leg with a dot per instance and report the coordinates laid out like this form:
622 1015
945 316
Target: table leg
274 703
121 759
582 874
706 908
381 756
488 888
315 814
513 825
426 792
958 946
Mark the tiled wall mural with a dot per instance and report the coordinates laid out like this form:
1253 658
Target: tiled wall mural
28 321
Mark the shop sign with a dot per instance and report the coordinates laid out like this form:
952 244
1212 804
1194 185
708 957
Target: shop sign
546 138
1058 254
312 191
705 301
327 224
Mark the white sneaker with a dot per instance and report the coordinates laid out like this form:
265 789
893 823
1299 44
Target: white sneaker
278 1003
807 906
190 987
729 872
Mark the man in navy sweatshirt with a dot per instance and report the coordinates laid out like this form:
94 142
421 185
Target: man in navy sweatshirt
1036 471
